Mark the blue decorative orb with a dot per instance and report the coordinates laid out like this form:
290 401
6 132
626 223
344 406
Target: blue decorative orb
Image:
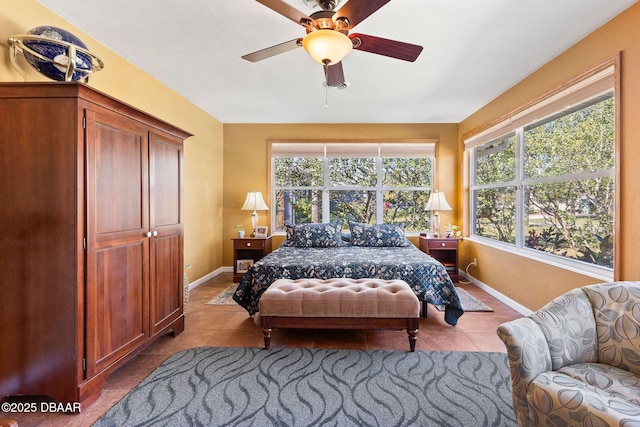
57 50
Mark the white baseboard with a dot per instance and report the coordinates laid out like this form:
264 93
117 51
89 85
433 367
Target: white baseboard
503 298
206 277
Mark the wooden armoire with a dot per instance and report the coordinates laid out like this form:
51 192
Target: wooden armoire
91 237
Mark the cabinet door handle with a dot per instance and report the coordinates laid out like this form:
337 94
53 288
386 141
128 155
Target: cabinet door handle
149 234
155 233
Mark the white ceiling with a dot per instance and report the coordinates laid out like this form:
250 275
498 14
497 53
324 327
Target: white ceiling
473 51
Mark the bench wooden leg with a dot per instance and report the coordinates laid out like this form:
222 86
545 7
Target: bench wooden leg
267 328
267 337
412 330
413 337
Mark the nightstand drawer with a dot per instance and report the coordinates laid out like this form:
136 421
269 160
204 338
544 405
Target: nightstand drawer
442 244
249 244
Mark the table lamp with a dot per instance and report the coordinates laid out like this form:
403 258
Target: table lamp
437 202
254 202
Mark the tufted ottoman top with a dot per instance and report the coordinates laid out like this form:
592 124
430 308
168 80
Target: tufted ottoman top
341 297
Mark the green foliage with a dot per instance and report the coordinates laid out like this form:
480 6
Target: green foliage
352 172
298 171
405 172
549 240
496 213
580 141
497 162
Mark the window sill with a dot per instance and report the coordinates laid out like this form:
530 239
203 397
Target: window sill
585 269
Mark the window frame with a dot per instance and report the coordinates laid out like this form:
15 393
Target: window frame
589 85
379 189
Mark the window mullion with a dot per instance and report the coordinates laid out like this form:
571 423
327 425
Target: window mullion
326 201
520 214
379 195
472 195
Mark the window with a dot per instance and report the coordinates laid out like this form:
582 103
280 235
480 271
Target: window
360 181
544 182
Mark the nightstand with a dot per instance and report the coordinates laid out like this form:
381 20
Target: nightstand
249 249
444 250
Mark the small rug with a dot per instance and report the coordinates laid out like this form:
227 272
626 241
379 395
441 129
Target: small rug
469 302
225 297
211 386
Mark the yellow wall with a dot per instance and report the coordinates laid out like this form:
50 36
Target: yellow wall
246 163
122 80
529 282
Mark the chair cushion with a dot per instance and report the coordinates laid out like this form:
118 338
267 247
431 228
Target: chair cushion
340 297
616 307
613 380
557 399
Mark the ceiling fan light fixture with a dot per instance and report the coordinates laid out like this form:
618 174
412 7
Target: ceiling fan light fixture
327 45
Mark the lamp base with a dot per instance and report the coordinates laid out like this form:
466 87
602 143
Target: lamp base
254 222
435 224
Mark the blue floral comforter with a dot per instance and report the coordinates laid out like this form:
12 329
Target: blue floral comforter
426 276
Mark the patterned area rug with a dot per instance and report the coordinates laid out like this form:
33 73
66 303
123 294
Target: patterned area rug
225 297
469 302
302 387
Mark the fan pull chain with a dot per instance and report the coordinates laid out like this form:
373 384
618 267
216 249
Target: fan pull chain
326 97
325 65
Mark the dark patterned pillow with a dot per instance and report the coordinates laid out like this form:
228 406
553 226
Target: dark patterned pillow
323 235
377 234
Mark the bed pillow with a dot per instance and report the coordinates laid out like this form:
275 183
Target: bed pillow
377 234
323 235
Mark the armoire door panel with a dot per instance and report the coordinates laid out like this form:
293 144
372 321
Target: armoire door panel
166 273
120 162
120 292
165 174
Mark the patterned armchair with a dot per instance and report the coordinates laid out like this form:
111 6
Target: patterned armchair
576 361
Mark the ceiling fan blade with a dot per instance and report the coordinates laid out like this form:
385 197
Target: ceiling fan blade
287 11
335 75
273 50
356 11
392 48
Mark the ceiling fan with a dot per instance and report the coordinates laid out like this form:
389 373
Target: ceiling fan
328 39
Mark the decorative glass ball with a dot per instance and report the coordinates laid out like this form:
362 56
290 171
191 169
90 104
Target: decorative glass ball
57 52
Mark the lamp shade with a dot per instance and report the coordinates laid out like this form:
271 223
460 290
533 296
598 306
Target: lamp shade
437 202
254 202
327 45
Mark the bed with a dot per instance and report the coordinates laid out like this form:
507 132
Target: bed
336 258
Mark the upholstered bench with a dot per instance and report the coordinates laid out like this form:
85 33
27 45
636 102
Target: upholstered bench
340 304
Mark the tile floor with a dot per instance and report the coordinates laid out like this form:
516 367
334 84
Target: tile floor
230 326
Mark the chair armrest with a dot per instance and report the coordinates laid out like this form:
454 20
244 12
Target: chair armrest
529 356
